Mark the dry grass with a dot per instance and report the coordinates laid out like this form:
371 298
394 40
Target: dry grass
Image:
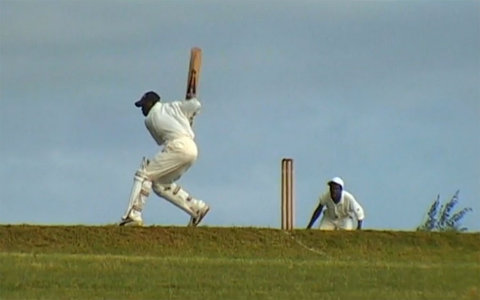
110 262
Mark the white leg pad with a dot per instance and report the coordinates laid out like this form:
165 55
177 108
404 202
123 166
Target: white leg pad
179 197
139 194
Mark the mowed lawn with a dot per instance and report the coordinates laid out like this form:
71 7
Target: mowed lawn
108 262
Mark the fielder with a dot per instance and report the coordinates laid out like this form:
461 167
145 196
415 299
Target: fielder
170 125
342 210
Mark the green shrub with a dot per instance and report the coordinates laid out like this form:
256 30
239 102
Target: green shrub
443 218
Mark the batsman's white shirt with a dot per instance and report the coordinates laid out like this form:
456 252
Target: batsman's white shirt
170 121
345 210
169 125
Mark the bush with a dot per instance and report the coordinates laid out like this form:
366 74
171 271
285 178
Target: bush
442 219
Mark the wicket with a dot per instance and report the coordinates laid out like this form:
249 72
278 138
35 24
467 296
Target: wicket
288 211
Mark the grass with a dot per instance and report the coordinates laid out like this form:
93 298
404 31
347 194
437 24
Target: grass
109 262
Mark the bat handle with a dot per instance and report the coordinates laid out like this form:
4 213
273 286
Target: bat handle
191 91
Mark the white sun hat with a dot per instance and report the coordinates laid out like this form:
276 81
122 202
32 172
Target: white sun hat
337 180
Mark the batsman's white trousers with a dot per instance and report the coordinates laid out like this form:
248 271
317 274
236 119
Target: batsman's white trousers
327 223
173 161
160 173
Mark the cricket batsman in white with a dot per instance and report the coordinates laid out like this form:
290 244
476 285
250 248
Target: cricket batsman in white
170 125
342 210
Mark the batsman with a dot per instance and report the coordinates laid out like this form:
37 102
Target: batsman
170 125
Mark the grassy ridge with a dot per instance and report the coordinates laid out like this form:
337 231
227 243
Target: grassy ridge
110 262
238 242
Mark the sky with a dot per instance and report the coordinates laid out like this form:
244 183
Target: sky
385 94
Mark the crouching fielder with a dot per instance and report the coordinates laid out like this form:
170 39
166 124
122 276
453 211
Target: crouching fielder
170 125
342 210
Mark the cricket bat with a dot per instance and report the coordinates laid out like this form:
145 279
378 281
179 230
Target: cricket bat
194 72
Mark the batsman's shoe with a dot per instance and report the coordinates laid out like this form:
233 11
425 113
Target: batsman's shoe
131 222
202 212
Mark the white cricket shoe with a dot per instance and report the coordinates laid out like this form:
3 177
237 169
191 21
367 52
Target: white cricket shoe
131 222
201 212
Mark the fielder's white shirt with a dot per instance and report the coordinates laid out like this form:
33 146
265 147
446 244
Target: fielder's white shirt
171 120
347 207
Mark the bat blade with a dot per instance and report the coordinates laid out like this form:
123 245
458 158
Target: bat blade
194 69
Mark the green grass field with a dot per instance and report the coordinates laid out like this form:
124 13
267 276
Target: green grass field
109 262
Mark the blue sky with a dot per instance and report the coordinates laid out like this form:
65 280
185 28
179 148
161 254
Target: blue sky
385 94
